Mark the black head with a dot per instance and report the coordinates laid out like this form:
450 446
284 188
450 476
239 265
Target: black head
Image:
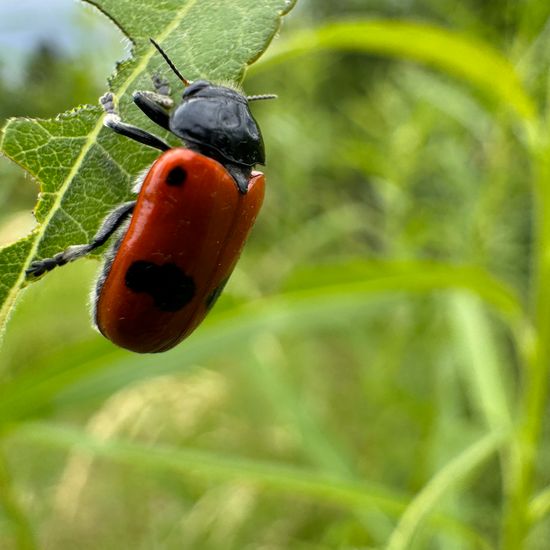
216 121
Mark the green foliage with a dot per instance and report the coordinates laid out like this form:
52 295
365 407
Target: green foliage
376 373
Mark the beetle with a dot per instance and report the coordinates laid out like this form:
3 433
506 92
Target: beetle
178 243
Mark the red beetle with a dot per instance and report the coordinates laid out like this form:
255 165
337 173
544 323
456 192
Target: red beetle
180 240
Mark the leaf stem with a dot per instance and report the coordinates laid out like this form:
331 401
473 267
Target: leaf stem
537 367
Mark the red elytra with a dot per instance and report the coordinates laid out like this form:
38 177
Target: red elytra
185 236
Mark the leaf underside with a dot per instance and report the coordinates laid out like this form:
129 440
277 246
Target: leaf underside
84 169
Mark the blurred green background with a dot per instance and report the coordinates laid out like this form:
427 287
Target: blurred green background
328 388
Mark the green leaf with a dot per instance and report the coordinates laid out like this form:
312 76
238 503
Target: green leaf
457 54
278 478
410 276
84 169
210 465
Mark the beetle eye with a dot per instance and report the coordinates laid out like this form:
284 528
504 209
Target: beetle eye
195 87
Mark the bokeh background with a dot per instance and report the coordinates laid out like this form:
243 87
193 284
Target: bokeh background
375 166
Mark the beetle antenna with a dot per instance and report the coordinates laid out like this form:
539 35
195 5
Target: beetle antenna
170 64
261 96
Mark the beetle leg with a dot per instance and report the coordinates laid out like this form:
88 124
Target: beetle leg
161 95
111 223
162 87
114 122
156 105
147 102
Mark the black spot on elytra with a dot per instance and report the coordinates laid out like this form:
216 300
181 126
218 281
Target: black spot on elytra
176 176
170 288
215 294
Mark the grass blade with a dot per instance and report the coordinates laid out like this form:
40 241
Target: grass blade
426 500
454 53
207 465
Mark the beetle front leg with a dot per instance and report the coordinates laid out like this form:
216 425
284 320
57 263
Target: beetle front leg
114 122
156 105
162 88
147 102
111 223
161 95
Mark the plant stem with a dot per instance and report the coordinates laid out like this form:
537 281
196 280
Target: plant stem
24 536
535 385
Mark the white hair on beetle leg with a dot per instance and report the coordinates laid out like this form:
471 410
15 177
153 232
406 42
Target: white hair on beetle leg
111 120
